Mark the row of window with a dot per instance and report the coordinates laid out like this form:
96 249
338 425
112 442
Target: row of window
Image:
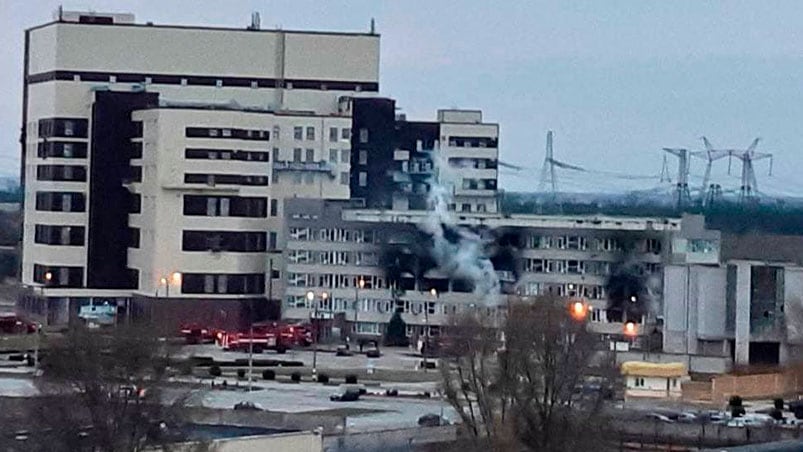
650 245
52 201
202 80
367 258
226 206
473 163
590 291
580 267
225 179
383 306
473 142
334 235
61 149
226 154
479 184
58 276
223 283
218 132
61 173
63 127
234 241
59 235
335 281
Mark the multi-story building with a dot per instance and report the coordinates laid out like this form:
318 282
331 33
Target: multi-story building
156 158
371 262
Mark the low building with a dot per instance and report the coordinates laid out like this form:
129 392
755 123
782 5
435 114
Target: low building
643 379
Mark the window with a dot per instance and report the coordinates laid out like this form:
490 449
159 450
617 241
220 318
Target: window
59 276
363 179
63 127
332 155
272 241
275 154
298 133
297 155
226 283
310 157
480 207
344 178
64 173
363 135
465 207
59 235
47 149
345 134
217 206
363 157
702 246
274 207
344 155
652 246
333 134
225 179
133 238
310 133
60 201
239 241
638 382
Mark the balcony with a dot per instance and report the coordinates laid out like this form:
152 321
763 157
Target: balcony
321 166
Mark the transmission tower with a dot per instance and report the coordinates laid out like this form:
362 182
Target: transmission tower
749 188
548 169
682 196
709 193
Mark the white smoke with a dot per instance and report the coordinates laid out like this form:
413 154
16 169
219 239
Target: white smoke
466 258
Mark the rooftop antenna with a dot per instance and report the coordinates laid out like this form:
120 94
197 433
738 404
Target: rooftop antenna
255 21
682 195
373 26
548 169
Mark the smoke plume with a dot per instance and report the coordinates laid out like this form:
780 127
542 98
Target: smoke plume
457 250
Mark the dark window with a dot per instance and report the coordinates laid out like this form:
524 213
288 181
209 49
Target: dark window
274 207
61 149
222 154
136 150
226 133
225 179
135 203
223 283
54 201
272 241
235 241
333 134
133 238
64 173
63 127
134 174
136 129
214 206
59 235
58 276
473 142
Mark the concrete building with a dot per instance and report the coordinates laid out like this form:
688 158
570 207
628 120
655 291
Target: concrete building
383 260
156 158
745 305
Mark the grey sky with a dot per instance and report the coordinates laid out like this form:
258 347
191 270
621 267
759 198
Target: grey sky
615 80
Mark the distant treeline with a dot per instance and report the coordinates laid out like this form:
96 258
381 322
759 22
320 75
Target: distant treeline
11 195
728 216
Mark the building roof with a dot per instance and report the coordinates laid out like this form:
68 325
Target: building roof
642 369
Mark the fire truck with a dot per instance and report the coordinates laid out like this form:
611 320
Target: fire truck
260 340
194 333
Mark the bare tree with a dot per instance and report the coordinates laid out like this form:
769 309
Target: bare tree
535 389
105 391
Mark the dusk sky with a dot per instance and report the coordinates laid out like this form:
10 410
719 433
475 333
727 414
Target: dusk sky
615 80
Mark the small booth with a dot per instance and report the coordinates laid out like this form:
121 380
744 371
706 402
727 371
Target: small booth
662 380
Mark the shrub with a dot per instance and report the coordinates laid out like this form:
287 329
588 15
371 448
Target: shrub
215 371
778 403
735 401
737 411
240 373
351 379
295 377
323 378
268 374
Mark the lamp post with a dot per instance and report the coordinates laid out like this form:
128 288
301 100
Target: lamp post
311 299
434 292
360 285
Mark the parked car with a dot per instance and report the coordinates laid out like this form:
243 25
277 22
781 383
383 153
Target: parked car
659 418
431 420
373 353
343 351
247 406
349 395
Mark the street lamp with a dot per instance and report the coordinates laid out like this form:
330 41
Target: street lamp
360 285
315 327
434 292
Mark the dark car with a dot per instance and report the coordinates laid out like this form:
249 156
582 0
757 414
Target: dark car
431 420
373 353
247 406
343 351
349 395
